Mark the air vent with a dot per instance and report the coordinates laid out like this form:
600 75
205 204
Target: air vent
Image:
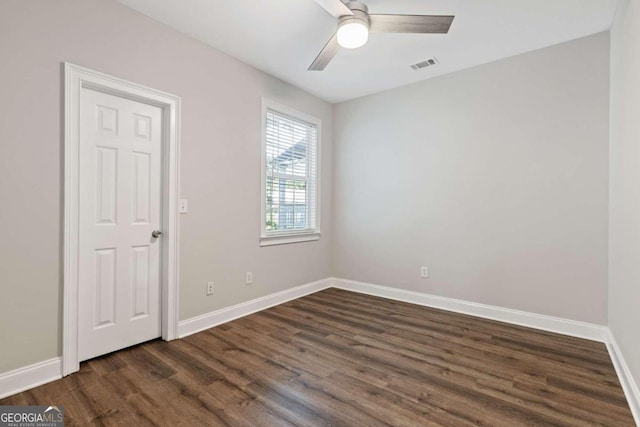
424 64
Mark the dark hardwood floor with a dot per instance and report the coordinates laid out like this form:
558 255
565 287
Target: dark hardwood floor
345 359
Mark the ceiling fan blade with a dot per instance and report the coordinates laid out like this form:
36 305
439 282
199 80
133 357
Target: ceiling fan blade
326 54
433 24
335 7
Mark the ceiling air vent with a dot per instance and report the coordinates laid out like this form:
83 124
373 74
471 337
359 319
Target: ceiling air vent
424 64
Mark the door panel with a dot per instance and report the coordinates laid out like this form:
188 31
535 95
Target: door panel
140 281
106 180
141 187
105 292
120 201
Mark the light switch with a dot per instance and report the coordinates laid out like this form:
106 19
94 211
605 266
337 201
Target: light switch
184 206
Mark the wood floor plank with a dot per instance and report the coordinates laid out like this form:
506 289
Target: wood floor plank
344 359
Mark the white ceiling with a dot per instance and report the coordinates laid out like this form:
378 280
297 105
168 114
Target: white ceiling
282 37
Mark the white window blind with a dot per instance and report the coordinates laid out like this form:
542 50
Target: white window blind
291 174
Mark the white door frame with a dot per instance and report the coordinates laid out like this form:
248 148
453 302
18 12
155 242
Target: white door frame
77 78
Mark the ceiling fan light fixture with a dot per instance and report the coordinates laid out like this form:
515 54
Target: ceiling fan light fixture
354 23
353 32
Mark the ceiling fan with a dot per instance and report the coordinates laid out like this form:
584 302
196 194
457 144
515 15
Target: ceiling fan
355 23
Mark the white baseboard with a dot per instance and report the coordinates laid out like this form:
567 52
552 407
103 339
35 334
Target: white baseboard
523 318
209 320
27 377
631 390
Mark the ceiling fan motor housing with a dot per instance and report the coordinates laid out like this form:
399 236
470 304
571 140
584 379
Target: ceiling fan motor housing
356 5
360 14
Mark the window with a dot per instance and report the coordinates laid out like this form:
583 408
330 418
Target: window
290 208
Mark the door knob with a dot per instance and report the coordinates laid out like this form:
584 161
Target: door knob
156 233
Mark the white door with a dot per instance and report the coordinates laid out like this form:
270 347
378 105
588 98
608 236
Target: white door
120 166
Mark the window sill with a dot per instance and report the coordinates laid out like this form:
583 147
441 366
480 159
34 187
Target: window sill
288 238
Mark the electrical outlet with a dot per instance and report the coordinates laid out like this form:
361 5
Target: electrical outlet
249 278
209 288
424 272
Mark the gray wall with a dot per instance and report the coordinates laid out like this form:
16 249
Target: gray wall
624 243
221 99
496 178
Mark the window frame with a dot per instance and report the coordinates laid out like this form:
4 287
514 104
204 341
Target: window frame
268 238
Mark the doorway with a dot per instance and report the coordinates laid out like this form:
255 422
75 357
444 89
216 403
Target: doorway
121 215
